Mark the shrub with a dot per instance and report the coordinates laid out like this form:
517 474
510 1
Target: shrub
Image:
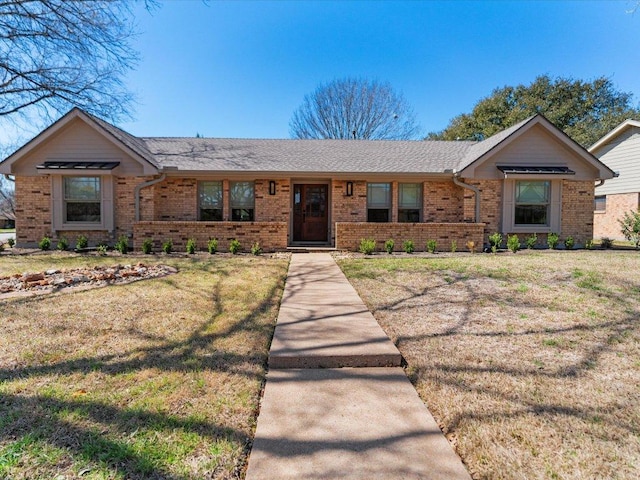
102 249
212 245
147 246
606 242
82 242
531 241
495 239
167 247
234 246
11 241
388 246
588 244
45 243
256 249
569 242
471 246
630 224
367 246
122 245
63 244
191 246
408 246
454 246
431 246
513 243
552 240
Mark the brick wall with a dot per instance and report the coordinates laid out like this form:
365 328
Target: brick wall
176 199
271 235
348 235
577 211
33 209
605 224
443 202
272 208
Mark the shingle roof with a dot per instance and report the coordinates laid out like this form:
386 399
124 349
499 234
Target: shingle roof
307 156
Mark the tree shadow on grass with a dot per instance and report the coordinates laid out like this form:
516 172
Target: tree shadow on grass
101 434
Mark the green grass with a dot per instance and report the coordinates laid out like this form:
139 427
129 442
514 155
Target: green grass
155 379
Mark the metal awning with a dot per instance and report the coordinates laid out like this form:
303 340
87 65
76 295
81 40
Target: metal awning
524 170
63 165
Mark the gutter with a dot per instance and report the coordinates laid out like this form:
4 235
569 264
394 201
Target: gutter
140 187
8 177
472 188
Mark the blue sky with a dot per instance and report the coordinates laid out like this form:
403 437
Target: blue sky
240 69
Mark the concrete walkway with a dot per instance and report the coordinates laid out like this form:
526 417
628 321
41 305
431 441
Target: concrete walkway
361 421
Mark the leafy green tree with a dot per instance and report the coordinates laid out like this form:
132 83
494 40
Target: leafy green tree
583 110
630 227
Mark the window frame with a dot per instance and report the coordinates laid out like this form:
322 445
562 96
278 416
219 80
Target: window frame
600 201
415 207
546 204
201 207
554 212
59 207
379 207
68 199
234 206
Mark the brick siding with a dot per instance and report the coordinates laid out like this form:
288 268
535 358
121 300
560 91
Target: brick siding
605 223
33 209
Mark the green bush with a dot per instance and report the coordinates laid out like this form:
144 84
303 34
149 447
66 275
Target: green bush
569 242
102 249
531 241
234 246
588 244
367 246
167 247
11 241
212 245
454 246
495 239
630 224
45 243
606 242
191 246
431 246
408 246
513 243
122 245
552 240
82 242
147 246
256 249
63 244
388 246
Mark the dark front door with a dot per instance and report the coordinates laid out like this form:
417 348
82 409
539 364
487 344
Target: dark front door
310 213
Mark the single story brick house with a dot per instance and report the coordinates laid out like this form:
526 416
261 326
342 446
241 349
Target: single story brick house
620 149
84 176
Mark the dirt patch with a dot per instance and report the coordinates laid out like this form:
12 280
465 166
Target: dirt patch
39 283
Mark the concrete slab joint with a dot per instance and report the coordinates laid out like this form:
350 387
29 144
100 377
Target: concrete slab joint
336 403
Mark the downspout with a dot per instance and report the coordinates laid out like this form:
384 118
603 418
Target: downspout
8 177
140 187
474 189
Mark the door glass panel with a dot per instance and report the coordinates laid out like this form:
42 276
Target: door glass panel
315 201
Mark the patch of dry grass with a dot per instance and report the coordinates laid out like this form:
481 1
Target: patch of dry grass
155 379
529 362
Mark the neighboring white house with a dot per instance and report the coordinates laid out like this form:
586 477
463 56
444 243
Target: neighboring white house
620 151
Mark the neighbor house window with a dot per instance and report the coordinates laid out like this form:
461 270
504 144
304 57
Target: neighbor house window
532 202
210 201
378 202
82 200
600 203
409 202
242 201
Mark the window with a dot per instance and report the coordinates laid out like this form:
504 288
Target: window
378 202
409 202
82 200
210 201
600 203
532 203
242 201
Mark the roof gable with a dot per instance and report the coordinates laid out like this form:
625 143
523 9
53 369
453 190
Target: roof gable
614 134
132 146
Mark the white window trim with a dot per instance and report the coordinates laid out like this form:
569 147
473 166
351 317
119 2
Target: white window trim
106 205
509 203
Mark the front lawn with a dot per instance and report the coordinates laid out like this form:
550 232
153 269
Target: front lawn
529 362
155 379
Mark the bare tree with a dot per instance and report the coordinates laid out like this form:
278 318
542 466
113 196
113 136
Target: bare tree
55 54
354 108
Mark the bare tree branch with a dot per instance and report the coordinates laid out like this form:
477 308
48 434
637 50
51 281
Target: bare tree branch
354 108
